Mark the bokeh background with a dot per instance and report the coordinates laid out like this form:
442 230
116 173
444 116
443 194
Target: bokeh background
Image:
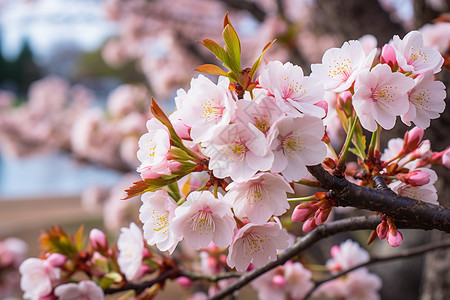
77 76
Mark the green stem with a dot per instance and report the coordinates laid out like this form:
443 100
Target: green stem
305 199
374 142
348 140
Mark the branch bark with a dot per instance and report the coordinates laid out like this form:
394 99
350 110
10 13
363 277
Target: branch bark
427 216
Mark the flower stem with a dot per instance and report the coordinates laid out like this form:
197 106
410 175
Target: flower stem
374 142
344 151
305 199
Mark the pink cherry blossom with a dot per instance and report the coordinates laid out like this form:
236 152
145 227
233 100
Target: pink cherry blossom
341 66
204 218
206 106
291 89
426 101
157 213
296 143
436 36
269 285
446 157
130 244
176 117
416 178
256 244
413 57
84 290
346 256
259 198
238 151
12 252
97 238
380 96
426 193
37 278
298 279
153 145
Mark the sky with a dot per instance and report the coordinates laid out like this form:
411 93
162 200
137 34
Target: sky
47 23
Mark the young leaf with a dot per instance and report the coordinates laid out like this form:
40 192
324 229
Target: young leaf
218 51
211 69
258 61
233 48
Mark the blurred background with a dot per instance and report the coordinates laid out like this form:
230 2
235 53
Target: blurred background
76 79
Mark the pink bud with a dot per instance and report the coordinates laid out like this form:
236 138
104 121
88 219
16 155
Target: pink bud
309 225
181 129
321 215
417 178
301 213
323 104
412 139
279 281
382 229
345 96
388 55
394 238
57 260
446 157
146 253
184 282
335 251
99 257
98 239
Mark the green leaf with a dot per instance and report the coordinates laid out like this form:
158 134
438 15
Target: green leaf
258 61
218 51
211 69
79 239
359 141
106 282
174 191
233 48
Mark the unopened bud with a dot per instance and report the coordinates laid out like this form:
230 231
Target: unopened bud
174 166
388 55
301 212
415 178
382 229
323 104
181 129
309 225
321 215
412 139
335 251
57 260
147 173
98 239
279 281
184 282
394 238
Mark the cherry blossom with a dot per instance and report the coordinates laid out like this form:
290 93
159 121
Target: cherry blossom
291 89
296 143
84 290
153 145
37 278
345 256
256 244
238 151
259 198
204 218
298 279
380 96
207 106
130 244
413 57
426 101
157 213
341 66
426 192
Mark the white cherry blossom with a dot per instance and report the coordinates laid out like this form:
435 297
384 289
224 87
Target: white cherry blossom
38 277
296 143
204 218
426 193
345 256
291 89
84 290
341 66
153 145
413 57
130 244
157 213
256 244
259 198
426 101
380 96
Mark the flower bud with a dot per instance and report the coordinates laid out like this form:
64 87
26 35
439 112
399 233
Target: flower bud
321 215
388 55
415 178
394 237
279 281
301 212
181 129
184 282
412 139
309 225
382 229
147 173
323 104
98 239
174 166
335 251
57 260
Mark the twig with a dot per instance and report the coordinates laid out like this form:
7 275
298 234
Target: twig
210 278
376 259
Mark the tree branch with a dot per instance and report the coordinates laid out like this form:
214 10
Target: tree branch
427 216
376 259
210 278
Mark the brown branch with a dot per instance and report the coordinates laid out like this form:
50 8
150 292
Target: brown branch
426 215
376 259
